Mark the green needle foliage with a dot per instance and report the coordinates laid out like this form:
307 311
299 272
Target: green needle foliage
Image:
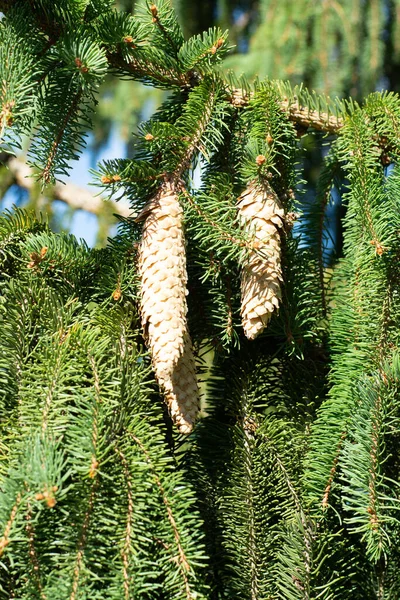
289 486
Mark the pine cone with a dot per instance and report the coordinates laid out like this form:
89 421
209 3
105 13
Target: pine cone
162 270
260 211
182 391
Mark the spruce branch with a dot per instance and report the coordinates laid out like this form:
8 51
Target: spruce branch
368 495
301 115
153 71
214 223
95 417
5 538
315 226
332 474
50 392
33 555
200 123
181 559
156 20
125 550
82 541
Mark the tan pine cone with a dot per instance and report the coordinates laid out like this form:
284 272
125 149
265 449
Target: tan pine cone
163 307
260 211
182 391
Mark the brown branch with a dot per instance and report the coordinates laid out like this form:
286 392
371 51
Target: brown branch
321 121
33 554
315 119
301 115
328 487
76 197
5 539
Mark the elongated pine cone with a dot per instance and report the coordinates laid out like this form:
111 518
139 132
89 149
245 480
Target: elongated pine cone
182 391
260 211
162 271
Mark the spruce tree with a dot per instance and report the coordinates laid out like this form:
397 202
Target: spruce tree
115 482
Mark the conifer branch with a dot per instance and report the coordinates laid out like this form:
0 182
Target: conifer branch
181 559
301 115
5 539
128 530
95 427
65 368
201 126
248 439
51 390
140 69
324 204
82 541
285 474
327 491
93 474
33 554
229 320
321 121
224 234
374 466
156 20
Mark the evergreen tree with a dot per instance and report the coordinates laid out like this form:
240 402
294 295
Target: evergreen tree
287 486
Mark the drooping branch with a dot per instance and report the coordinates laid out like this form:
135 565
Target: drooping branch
182 561
75 196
